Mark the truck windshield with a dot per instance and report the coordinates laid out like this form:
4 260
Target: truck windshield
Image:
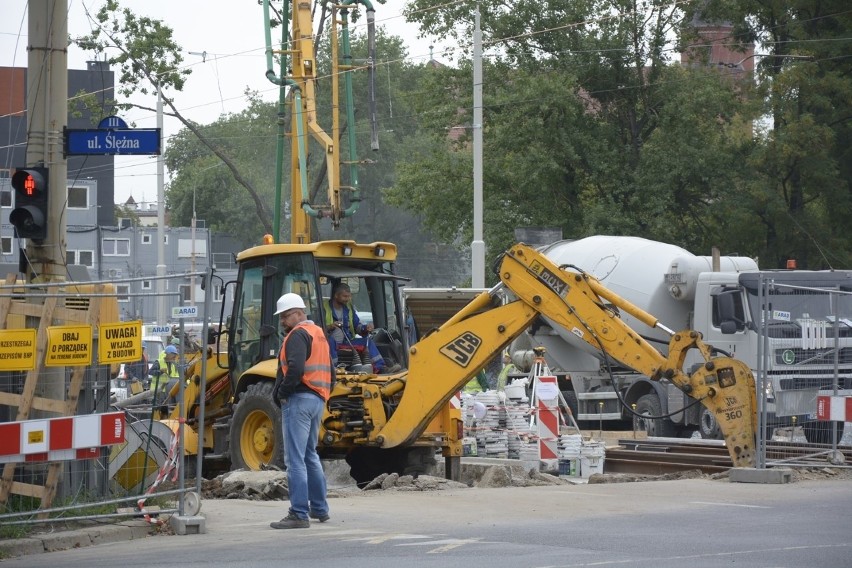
789 311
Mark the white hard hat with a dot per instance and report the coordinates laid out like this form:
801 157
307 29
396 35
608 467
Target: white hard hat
288 302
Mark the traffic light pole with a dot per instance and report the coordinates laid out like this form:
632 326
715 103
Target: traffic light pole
47 117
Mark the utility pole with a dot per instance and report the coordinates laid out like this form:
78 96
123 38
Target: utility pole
161 217
477 248
47 117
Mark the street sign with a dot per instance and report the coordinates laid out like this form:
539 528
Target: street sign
159 330
180 312
113 142
112 137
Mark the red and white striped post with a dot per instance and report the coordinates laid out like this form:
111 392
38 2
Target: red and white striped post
834 408
547 410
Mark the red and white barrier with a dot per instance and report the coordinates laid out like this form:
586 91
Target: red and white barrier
547 407
55 439
834 408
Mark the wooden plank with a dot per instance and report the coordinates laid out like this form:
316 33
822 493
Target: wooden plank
27 489
30 384
70 406
6 302
61 314
46 404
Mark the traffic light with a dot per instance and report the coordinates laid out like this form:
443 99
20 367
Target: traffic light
30 213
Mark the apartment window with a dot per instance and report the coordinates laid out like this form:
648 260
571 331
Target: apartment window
78 198
116 247
6 245
146 239
6 198
146 285
81 257
122 292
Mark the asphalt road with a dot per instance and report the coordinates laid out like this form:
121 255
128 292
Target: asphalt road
660 524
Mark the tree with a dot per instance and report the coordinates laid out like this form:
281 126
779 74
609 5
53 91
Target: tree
149 60
587 127
801 195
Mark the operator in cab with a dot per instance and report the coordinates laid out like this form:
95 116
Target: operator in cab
345 329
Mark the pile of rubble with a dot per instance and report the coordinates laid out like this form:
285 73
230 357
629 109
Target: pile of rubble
272 484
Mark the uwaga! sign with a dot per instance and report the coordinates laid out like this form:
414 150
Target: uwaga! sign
120 342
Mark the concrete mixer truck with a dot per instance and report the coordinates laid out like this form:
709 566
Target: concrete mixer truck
720 298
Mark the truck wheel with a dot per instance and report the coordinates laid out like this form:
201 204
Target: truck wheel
708 428
649 405
818 432
256 435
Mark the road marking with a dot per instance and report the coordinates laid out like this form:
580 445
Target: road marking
448 544
380 539
729 505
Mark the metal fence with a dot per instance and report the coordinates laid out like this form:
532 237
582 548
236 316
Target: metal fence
93 442
805 354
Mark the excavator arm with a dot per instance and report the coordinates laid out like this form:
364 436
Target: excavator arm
445 360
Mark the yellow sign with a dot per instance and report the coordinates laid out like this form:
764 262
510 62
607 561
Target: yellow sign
69 345
120 342
17 349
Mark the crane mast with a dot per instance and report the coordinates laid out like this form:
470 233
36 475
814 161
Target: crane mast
300 78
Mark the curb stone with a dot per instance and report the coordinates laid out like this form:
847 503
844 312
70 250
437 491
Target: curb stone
76 538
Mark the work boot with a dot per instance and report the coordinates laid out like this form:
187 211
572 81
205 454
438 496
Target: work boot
395 368
291 521
317 516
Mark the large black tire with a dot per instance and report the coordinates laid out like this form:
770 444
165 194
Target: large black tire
365 464
708 427
818 432
257 438
649 405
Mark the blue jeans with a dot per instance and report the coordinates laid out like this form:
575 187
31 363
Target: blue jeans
300 415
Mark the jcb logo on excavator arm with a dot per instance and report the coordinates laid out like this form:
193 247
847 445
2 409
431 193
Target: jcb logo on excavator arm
462 348
549 279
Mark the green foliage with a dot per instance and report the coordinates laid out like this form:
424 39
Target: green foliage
204 186
141 48
590 127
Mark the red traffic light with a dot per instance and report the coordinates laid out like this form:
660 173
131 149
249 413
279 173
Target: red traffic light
30 214
29 185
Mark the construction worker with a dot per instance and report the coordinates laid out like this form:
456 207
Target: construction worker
342 325
302 386
479 383
508 368
165 370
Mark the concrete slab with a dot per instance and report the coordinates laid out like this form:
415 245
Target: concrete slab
184 525
752 475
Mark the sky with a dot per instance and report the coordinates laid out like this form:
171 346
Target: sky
229 31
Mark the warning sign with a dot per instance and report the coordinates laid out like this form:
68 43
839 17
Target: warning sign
120 342
68 345
17 349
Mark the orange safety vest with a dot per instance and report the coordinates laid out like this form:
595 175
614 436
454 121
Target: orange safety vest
317 375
